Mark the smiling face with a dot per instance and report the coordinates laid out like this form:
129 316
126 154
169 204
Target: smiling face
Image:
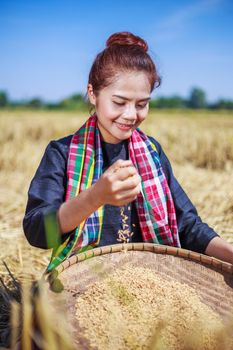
122 105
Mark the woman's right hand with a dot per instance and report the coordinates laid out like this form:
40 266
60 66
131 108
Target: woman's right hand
119 185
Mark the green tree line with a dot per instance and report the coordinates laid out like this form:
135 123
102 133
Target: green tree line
196 100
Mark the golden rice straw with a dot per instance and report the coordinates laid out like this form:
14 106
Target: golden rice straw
52 339
44 321
20 255
27 317
15 307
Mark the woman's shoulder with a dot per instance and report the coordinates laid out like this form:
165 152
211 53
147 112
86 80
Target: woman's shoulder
62 142
59 146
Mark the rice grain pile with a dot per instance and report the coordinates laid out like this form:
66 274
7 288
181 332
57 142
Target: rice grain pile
134 308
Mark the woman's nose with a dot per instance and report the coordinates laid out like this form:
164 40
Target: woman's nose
130 112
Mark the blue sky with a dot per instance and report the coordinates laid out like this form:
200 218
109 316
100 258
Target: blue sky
47 47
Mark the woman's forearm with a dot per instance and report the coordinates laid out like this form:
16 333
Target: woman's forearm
220 249
77 209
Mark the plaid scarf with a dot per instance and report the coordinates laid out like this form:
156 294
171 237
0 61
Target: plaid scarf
154 205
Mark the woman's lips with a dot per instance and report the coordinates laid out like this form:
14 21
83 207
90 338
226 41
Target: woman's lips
124 126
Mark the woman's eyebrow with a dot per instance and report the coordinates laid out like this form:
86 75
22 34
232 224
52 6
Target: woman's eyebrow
127 99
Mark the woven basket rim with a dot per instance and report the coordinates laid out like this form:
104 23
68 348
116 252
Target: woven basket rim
150 247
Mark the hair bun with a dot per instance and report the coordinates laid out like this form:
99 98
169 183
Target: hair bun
126 38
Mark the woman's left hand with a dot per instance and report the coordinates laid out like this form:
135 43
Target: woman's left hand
220 249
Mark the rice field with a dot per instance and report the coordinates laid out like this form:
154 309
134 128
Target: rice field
198 144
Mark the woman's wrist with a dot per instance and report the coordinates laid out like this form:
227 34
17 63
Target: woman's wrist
95 196
220 249
78 209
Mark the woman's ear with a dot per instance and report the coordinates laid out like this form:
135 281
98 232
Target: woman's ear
91 94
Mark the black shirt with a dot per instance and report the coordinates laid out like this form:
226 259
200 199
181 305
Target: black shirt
48 187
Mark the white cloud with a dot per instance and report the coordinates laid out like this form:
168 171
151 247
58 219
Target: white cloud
174 24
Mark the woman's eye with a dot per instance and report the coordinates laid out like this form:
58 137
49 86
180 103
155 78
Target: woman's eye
140 106
118 103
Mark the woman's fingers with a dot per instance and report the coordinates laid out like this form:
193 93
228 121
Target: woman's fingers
119 164
129 183
124 173
122 169
120 183
131 193
126 197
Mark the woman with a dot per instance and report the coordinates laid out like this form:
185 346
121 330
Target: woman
84 180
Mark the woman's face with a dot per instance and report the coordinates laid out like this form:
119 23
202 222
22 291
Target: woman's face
122 105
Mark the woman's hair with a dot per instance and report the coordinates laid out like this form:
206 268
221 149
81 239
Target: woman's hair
124 52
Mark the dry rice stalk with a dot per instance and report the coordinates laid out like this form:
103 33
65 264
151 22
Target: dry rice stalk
10 297
52 325
28 321
20 255
15 316
48 339
27 318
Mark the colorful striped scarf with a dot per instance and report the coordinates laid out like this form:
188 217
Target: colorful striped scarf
154 205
